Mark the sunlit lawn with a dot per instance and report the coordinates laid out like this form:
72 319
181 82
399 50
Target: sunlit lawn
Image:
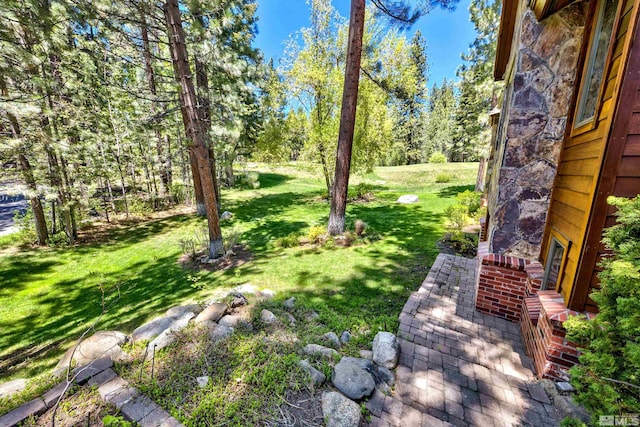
53 295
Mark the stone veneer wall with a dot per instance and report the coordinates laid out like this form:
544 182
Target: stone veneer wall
533 123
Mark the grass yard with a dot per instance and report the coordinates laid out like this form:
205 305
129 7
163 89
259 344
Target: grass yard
49 297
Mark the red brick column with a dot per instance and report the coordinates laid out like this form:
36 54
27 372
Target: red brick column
502 283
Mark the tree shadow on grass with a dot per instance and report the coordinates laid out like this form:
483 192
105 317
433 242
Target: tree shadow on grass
268 180
453 190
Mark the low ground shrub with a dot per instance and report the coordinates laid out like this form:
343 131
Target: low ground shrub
437 157
442 178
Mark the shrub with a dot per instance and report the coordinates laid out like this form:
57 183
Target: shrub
316 234
289 241
178 193
437 157
608 379
469 199
363 190
248 180
456 217
443 177
231 238
360 227
58 240
26 226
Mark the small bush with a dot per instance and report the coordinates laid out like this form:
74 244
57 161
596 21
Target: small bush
178 193
456 217
362 191
469 199
26 227
58 240
437 157
289 241
360 227
189 247
316 234
443 177
248 180
231 238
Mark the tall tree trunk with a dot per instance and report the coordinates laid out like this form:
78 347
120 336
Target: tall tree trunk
193 125
204 103
165 163
347 118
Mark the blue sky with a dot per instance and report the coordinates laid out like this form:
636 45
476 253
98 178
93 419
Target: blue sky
448 34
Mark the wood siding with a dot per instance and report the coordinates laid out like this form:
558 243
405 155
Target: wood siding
576 198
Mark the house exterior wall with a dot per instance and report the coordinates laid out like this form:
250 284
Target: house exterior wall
587 173
532 125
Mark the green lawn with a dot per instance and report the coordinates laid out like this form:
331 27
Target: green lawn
53 295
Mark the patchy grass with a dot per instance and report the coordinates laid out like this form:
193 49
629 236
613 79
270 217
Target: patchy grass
49 297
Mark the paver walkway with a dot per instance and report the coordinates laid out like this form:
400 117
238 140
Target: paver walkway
458 366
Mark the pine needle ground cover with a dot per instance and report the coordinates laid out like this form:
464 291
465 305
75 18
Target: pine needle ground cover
48 298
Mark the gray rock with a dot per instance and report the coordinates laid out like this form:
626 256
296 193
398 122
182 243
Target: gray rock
317 377
319 350
220 332
99 345
289 303
12 387
156 326
179 310
246 289
226 215
340 411
352 378
32 408
212 313
310 317
385 350
168 336
332 338
407 199
203 381
384 375
345 337
366 354
565 387
266 293
230 320
290 318
268 317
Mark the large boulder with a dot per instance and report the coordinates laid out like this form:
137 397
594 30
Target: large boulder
168 336
157 326
212 313
386 350
340 411
353 377
99 345
179 310
407 199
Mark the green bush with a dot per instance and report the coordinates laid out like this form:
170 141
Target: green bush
316 234
437 157
247 180
363 190
178 193
290 241
456 217
443 177
469 199
608 379
26 226
58 240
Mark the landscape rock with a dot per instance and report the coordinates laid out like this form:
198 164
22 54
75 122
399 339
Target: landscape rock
246 289
353 378
266 293
290 303
230 320
16 386
156 326
99 345
220 332
385 350
212 313
168 336
332 338
366 354
407 199
179 310
268 317
319 350
290 318
226 215
345 337
311 316
317 377
340 411
238 300
203 381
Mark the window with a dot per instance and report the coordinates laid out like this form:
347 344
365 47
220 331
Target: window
596 62
556 256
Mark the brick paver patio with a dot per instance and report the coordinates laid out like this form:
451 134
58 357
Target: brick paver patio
458 366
